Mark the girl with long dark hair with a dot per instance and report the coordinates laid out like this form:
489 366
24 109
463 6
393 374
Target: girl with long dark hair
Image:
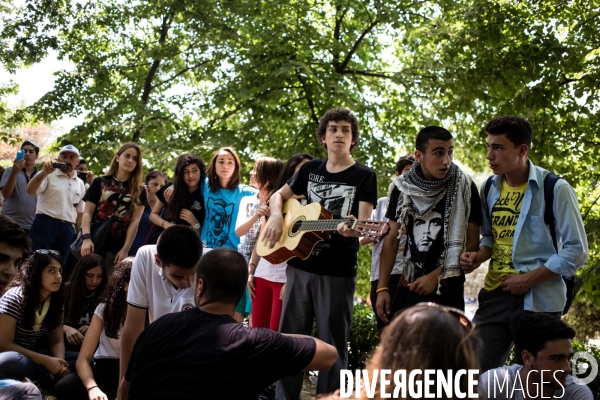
115 194
83 295
102 341
266 281
28 310
186 205
154 181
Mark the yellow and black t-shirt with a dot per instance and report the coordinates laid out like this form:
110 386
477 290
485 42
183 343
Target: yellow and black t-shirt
505 214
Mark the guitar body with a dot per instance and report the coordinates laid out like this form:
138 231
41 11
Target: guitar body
294 243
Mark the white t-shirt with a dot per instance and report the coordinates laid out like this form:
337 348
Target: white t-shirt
150 289
59 196
379 215
270 272
107 347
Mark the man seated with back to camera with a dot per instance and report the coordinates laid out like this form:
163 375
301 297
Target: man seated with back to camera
205 353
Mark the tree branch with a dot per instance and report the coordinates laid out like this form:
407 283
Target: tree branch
339 68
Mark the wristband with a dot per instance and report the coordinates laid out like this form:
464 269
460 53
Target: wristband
92 388
251 263
86 236
381 289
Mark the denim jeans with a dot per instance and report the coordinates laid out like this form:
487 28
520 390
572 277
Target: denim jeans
17 366
51 234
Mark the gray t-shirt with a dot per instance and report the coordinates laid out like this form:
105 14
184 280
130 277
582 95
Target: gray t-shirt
20 206
502 384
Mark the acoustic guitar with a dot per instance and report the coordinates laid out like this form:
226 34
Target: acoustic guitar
305 226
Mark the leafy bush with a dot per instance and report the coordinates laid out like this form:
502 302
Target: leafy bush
363 337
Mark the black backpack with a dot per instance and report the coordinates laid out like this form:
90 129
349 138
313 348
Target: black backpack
549 183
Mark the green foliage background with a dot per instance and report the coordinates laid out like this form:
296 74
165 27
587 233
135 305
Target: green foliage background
182 75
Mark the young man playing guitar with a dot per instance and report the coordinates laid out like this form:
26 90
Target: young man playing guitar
321 287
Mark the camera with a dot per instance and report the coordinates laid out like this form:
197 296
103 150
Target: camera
82 175
59 165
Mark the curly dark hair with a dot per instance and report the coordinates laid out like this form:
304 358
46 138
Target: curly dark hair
179 186
115 309
77 291
339 114
29 279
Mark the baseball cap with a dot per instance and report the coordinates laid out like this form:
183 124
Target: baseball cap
31 143
70 149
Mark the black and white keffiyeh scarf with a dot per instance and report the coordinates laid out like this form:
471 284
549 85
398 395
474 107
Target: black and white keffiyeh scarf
419 196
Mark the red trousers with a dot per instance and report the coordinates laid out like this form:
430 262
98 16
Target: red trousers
266 306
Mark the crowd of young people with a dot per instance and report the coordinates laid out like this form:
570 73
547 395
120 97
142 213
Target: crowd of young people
435 213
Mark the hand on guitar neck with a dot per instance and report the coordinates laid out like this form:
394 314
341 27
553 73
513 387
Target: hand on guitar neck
296 234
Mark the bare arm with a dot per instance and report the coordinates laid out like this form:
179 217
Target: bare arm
155 217
389 250
244 223
274 226
84 371
87 247
131 232
35 182
123 393
9 186
133 327
78 222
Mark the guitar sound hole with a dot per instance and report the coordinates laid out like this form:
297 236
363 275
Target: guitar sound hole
296 227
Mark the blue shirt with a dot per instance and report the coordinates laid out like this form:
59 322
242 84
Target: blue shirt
532 243
222 209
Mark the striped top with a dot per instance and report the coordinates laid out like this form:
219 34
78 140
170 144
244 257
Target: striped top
12 304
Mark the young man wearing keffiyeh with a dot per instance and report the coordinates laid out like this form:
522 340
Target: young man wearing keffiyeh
440 208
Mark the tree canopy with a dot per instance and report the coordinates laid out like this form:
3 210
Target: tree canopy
179 76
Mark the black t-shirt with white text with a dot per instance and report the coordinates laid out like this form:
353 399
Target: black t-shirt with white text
197 355
340 193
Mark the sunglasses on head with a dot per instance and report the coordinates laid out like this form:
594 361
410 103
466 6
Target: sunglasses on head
459 314
44 251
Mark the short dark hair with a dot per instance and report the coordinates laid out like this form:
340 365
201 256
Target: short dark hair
31 143
180 246
431 133
534 329
82 161
225 274
516 129
339 114
408 159
13 235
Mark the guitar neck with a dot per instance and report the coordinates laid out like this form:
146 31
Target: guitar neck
324 224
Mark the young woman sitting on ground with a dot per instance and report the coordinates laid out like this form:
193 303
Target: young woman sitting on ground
103 342
82 296
28 310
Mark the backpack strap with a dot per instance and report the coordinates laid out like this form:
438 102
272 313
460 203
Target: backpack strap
488 185
549 183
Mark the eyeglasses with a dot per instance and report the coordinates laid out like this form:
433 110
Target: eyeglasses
44 251
459 314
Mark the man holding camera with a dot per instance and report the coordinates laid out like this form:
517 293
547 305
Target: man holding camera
17 204
59 204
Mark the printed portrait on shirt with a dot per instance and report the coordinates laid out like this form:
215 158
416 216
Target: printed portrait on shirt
220 217
425 243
